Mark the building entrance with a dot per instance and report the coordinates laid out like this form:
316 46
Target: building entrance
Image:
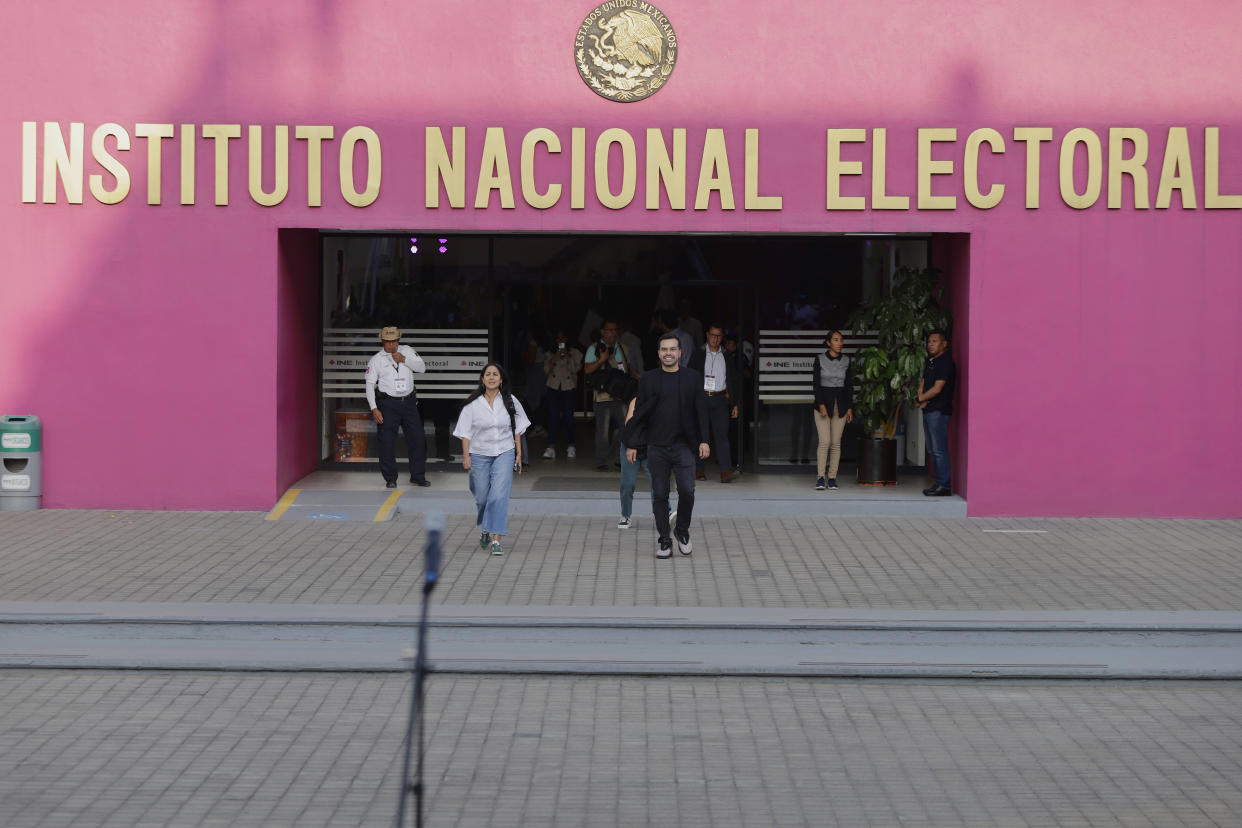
464 299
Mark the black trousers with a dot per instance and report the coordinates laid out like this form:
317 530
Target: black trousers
401 413
678 459
718 409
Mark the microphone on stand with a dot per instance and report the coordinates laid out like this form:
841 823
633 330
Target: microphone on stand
434 524
435 529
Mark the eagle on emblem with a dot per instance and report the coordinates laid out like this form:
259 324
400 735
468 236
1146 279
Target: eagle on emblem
635 38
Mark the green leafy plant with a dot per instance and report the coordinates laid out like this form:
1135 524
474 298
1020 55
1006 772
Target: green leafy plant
889 373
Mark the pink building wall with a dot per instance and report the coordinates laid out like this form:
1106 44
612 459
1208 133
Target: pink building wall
1101 353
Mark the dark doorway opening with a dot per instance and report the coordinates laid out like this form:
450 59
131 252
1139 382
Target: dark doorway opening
503 296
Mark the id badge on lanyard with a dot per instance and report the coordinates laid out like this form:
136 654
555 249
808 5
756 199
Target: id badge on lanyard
709 382
401 384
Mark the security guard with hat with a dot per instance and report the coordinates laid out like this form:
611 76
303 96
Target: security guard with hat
394 404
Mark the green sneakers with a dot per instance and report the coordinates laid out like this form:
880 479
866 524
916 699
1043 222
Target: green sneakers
497 549
485 539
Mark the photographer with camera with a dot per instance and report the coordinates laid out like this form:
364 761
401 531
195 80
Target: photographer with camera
561 366
607 356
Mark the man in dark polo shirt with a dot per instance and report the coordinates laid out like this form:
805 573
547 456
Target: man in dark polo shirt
936 400
672 405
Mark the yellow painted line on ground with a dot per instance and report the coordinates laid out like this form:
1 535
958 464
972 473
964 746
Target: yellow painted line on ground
389 505
283 504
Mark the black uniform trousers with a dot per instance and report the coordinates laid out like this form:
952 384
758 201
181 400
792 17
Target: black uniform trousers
401 412
719 408
678 459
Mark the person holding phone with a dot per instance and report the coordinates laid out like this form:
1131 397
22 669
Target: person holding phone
490 426
561 366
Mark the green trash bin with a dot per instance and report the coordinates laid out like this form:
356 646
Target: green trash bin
21 452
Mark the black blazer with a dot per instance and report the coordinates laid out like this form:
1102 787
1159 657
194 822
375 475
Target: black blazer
693 405
733 372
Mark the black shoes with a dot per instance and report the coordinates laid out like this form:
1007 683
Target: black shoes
390 484
938 491
424 482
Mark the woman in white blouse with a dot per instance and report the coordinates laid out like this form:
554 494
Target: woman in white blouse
491 426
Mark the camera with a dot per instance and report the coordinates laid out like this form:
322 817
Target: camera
560 346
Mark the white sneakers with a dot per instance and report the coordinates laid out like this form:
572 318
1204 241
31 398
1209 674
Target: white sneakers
624 523
549 453
683 543
571 452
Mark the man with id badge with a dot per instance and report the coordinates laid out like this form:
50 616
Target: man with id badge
722 386
394 404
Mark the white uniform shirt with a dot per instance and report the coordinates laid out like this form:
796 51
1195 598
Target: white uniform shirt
714 378
487 426
396 379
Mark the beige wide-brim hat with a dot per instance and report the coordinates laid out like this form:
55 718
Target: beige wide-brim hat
389 334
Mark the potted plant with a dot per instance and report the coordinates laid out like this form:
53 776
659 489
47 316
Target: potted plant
889 373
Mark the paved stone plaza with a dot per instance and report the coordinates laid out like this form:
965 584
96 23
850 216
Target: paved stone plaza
154 747
137 749
851 562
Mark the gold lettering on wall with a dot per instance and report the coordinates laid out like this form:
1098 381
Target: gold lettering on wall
970 168
57 149
155 135
714 172
1032 137
754 201
838 168
1095 169
188 152
280 185
666 169
530 192
314 136
629 171
222 134
880 199
30 161
1176 172
1134 166
577 168
927 167
349 142
442 167
494 171
62 163
1212 197
99 151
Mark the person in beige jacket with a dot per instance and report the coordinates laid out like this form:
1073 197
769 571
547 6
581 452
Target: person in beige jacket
561 366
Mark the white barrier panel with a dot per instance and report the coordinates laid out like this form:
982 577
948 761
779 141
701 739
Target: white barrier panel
785 360
454 358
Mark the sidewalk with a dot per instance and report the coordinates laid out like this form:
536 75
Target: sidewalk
270 750
841 563
193 747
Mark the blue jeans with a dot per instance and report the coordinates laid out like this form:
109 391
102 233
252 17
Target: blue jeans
936 424
491 480
629 479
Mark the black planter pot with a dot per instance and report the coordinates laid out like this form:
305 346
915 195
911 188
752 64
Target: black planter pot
877 461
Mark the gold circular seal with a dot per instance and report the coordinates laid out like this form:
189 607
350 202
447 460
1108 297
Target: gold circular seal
625 50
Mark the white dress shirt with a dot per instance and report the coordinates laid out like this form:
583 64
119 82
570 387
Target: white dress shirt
392 376
487 426
714 378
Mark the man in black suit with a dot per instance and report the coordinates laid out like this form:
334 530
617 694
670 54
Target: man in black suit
722 386
672 405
